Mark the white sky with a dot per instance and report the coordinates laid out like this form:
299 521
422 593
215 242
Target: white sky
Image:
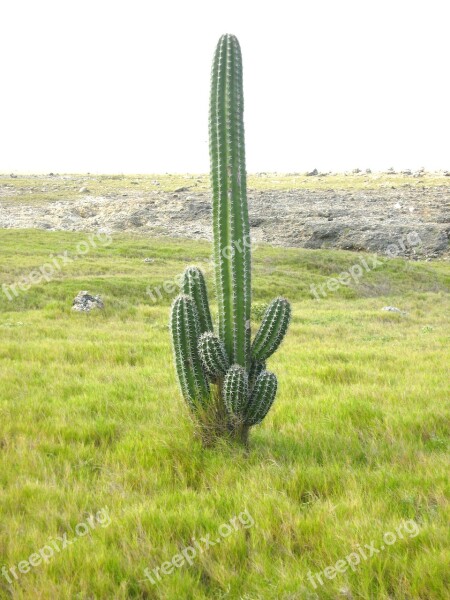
122 86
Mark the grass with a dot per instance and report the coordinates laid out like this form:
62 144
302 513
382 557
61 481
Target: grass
90 417
43 188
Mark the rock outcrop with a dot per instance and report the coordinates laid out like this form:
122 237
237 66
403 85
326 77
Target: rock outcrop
368 220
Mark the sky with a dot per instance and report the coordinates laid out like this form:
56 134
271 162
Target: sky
122 87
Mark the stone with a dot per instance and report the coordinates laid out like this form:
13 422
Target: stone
393 309
85 302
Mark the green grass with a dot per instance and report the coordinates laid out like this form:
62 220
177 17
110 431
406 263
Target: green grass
43 189
90 416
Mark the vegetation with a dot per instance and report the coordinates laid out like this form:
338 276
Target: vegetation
90 417
243 391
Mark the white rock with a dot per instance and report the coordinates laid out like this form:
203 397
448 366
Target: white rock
393 309
84 302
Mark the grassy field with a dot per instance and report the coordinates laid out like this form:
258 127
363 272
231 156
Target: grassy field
96 445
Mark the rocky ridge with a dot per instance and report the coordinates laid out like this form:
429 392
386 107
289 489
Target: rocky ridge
362 220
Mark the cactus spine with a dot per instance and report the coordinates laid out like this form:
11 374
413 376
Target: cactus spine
241 394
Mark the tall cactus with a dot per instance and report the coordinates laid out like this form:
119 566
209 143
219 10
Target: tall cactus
239 396
229 189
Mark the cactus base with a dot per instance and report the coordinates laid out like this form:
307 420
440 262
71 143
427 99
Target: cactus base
236 436
241 435
210 438
212 423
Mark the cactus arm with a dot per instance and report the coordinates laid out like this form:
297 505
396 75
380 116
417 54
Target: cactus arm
184 327
193 284
272 330
262 398
235 391
230 213
213 355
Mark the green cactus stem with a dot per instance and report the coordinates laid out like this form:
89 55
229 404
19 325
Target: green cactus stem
213 356
185 329
262 398
193 284
235 391
272 330
229 191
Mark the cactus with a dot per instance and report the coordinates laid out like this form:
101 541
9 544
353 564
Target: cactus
261 399
229 190
185 330
235 391
272 330
213 355
238 396
194 286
